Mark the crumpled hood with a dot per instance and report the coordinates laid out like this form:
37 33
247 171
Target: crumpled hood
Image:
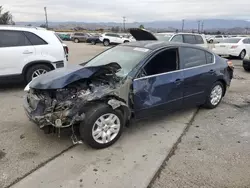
59 78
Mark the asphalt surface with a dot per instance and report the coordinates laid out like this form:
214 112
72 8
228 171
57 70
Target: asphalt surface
214 153
27 154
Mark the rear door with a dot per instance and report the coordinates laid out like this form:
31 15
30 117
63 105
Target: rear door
199 74
15 51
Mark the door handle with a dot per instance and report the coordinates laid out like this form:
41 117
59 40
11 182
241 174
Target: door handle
27 52
178 81
212 71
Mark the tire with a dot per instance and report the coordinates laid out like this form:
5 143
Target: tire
93 42
246 69
87 126
106 42
211 41
242 54
209 104
31 71
126 41
76 40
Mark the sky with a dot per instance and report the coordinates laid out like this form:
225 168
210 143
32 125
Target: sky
133 10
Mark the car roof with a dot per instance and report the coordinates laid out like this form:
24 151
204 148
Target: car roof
23 28
156 44
178 33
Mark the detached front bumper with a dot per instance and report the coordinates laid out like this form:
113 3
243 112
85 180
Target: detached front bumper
34 114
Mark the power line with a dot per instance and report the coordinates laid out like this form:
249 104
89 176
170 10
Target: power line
46 17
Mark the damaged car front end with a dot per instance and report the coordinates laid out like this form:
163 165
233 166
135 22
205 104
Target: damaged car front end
64 97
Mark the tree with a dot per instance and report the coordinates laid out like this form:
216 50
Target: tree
141 27
5 17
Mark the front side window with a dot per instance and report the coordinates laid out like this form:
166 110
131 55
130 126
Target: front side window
13 39
163 37
177 38
163 62
127 57
190 39
246 41
199 39
34 39
192 57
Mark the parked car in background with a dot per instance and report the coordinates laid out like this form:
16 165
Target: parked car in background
28 52
65 37
217 38
236 47
93 39
190 38
80 37
112 38
131 80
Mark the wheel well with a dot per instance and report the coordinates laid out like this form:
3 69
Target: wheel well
26 68
126 41
224 85
105 39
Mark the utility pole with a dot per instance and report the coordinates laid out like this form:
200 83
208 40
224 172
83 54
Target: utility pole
202 26
183 23
124 20
46 17
199 26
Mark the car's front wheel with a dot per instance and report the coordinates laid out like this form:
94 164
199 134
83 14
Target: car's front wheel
102 126
246 69
215 95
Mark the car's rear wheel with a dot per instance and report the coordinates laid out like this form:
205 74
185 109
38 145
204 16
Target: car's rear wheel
76 40
93 42
242 54
35 71
102 126
106 42
215 95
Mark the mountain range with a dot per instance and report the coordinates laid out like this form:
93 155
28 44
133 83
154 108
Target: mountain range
208 24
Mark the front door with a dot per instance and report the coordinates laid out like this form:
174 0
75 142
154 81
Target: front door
159 88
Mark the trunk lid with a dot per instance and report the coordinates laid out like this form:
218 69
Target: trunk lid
142 34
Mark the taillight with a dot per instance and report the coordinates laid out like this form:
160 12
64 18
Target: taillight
234 46
230 65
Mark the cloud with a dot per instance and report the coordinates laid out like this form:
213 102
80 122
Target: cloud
134 10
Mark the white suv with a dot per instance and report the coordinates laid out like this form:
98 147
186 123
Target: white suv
112 38
29 52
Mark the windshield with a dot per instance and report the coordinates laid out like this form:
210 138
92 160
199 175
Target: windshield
231 40
126 56
163 37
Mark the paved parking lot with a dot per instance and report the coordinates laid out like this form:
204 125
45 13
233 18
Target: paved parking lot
136 157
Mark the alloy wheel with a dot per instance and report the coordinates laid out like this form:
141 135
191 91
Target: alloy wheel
216 95
106 128
38 72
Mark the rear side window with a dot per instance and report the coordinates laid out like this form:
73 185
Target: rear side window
190 39
192 57
199 39
177 38
209 57
246 41
34 39
13 38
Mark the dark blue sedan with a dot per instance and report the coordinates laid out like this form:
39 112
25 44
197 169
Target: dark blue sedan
132 80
